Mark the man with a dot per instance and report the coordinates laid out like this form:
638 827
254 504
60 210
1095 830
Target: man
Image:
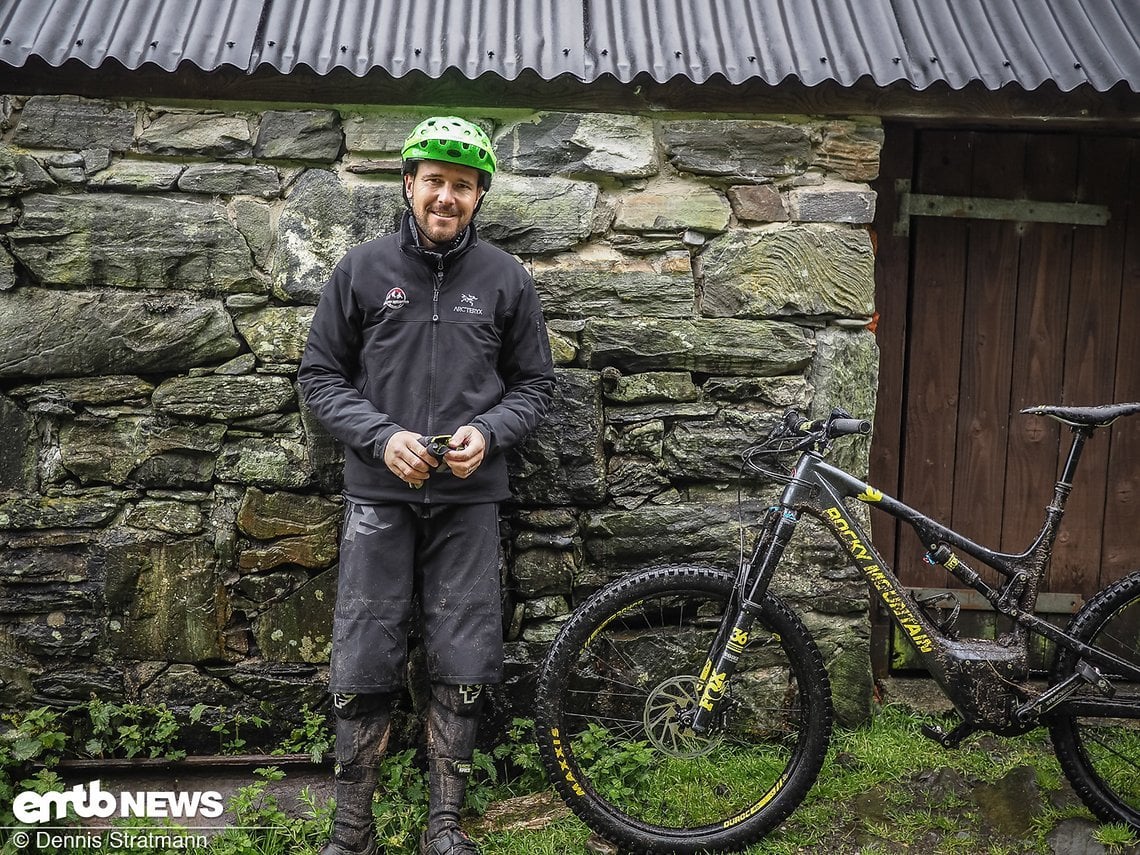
423 332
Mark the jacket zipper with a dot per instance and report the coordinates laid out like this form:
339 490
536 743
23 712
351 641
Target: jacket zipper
438 284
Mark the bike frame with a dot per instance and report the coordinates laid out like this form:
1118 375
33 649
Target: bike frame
985 679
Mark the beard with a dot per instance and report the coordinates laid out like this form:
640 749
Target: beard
440 230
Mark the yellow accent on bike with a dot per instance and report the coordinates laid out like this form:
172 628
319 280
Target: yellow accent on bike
767 797
870 495
713 691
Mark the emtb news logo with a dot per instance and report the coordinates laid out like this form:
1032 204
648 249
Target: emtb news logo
93 801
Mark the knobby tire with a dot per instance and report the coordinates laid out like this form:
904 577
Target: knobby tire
1101 755
611 686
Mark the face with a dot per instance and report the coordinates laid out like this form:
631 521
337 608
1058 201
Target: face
443 197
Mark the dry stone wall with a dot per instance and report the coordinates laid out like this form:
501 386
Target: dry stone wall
168 509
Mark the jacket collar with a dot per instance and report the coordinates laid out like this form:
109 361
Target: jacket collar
410 240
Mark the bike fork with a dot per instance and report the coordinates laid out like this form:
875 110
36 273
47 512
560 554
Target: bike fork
743 608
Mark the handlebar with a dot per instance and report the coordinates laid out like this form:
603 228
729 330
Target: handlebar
839 423
794 434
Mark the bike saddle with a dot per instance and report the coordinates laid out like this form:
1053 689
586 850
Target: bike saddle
1099 416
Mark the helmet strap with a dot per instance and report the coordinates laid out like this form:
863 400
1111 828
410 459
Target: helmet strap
409 168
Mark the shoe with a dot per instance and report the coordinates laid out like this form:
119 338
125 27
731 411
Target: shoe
450 841
334 848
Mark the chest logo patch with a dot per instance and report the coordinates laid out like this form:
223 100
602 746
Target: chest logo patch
396 299
467 305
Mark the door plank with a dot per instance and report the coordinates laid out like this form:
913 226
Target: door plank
1039 340
1090 359
892 281
934 348
987 344
1121 546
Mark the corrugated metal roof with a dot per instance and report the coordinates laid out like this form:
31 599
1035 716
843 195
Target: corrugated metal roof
399 36
207 33
921 42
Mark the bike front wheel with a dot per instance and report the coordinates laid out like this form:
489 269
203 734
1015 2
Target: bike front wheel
1097 739
613 694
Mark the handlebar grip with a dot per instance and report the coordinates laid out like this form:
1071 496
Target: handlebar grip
846 427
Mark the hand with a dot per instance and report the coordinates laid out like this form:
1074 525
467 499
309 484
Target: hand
468 449
407 459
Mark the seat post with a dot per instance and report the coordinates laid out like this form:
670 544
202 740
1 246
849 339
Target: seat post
1081 433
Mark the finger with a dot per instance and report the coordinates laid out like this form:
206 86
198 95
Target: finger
466 452
414 460
465 436
466 469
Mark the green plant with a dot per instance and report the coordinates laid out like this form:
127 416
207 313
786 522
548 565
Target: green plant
510 769
229 732
400 807
37 735
263 828
620 765
519 754
32 738
131 730
311 737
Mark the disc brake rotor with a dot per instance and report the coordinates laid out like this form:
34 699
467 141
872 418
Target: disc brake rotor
665 723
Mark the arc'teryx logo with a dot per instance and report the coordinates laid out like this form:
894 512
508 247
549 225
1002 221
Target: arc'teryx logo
468 302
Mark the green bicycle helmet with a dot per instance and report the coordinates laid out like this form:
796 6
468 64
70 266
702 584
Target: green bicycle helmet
451 140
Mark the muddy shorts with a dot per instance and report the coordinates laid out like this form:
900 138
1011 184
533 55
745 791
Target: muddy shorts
450 556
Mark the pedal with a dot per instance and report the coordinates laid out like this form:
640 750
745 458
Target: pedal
1095 678
951 739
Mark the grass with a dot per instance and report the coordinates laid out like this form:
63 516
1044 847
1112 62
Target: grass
884 789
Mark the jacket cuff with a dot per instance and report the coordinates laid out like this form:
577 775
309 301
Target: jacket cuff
488 435
381 441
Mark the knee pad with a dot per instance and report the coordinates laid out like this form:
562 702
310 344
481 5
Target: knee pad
358 705
464 700
363 723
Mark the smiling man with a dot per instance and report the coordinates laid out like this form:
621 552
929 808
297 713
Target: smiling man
425 333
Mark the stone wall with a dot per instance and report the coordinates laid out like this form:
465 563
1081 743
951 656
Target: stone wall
168 509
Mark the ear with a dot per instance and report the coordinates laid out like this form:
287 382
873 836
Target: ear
409 180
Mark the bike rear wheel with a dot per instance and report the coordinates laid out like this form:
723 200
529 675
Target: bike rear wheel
614 685
1100 753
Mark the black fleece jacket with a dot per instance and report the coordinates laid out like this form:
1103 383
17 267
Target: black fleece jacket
408 339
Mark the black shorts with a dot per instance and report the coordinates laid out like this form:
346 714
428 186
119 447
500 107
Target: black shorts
450 556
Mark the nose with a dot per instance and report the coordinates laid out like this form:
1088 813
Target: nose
446 193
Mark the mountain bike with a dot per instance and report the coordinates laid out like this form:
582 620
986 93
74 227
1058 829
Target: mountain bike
686 709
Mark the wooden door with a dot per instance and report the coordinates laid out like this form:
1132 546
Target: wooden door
980 318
